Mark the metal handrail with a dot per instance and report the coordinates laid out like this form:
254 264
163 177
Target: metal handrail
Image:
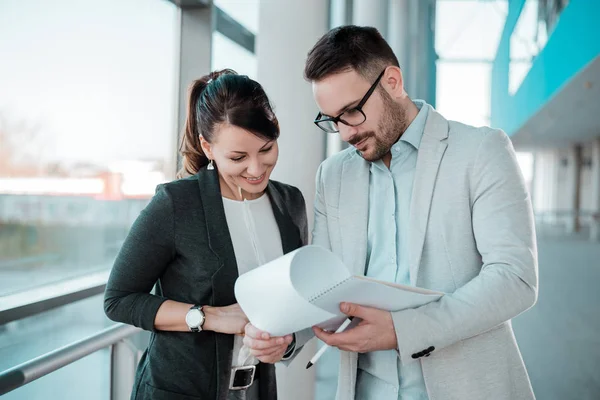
563 212
29 371
26 303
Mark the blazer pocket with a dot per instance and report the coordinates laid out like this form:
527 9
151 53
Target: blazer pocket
161 394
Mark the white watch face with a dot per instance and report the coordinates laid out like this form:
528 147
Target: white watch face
194 318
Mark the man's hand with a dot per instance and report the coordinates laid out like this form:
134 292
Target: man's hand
264 347
375 331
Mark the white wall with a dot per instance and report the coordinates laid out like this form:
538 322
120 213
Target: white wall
287 31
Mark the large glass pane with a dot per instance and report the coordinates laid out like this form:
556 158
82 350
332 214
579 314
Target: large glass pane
463 92
228 54
23 340
88 378
469 29
87 130
225 52
467 37
535 24
243 11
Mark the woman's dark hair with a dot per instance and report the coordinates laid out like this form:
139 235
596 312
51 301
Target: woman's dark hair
223 97
361 48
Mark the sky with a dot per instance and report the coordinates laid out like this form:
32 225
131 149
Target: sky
99 76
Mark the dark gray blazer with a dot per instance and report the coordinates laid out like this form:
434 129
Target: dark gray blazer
181 243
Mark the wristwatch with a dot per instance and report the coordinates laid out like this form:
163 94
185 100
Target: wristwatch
195 318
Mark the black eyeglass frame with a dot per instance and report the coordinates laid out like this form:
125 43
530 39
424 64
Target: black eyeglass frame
358 108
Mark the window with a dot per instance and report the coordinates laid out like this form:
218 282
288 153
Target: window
467 37
233 38
536 22
86 131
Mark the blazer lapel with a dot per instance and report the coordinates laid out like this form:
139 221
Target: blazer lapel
353 211
432 148
219 241
223 280
290 235
353 214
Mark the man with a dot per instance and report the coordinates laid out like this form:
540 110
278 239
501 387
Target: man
428 202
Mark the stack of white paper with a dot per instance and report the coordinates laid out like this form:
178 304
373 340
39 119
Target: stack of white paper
305 288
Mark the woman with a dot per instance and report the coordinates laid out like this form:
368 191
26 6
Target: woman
197 235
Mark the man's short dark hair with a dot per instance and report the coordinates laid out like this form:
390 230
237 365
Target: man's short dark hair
361 48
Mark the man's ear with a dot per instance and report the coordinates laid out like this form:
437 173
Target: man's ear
393 81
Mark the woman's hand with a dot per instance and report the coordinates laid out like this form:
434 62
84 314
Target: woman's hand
264 347
229 319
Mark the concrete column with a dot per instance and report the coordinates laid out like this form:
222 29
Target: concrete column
542 184
411 34
371 13
595 225
287 31
398 30
552 180
577 190
421 51
340 13
572 181
195 41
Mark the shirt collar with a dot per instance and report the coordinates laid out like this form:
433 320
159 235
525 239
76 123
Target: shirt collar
414 132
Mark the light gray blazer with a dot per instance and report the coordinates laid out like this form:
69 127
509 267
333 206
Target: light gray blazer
471 236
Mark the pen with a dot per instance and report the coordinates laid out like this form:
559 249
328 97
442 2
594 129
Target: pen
325 346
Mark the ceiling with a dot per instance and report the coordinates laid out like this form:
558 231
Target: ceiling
571 115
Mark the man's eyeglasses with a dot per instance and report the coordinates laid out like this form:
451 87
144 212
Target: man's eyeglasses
351 117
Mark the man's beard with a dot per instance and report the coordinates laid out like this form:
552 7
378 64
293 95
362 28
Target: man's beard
392 125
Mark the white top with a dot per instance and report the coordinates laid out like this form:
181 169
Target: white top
256 241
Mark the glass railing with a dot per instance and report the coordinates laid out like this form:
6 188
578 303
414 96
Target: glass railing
86 360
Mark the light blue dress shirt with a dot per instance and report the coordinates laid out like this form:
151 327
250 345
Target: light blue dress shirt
380 375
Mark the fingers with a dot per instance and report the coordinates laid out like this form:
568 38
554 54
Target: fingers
255 333
330 338
267 353
355 310
347 340
261 349
323 335
263 346
259 344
